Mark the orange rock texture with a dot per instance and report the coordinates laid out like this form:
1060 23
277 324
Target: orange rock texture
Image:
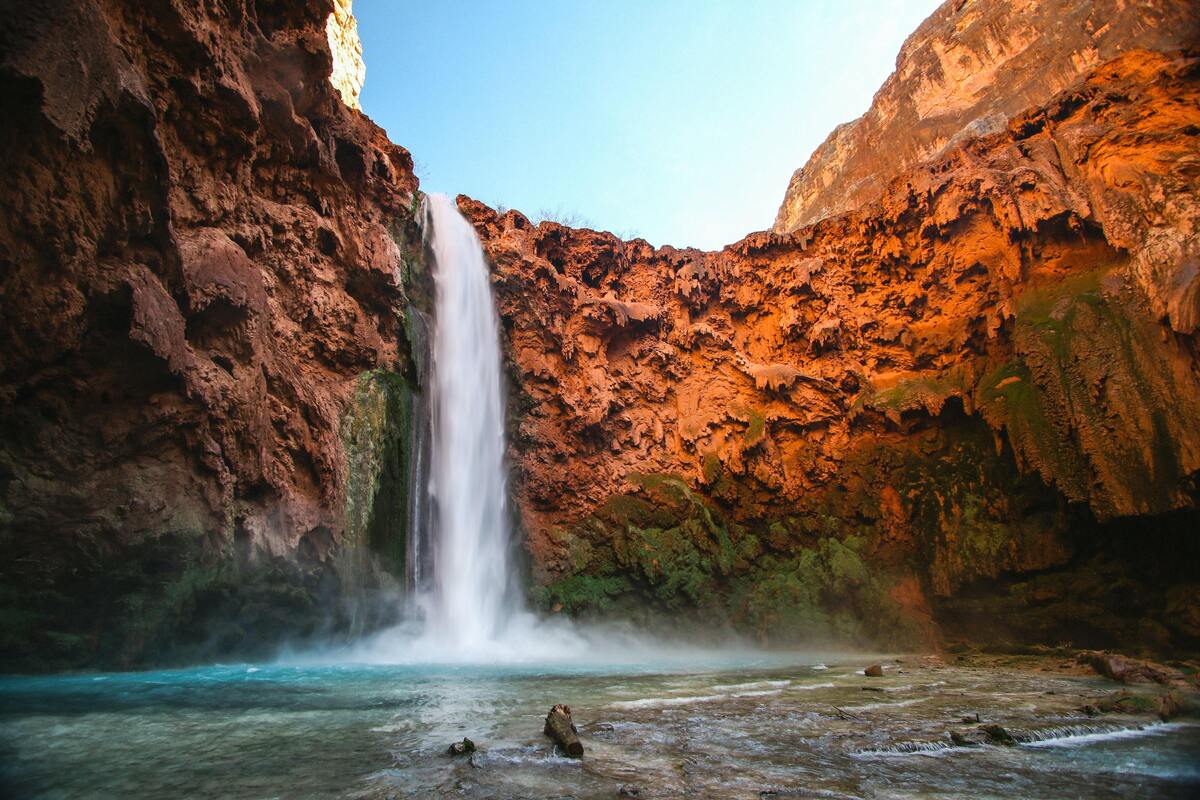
966 72
946 378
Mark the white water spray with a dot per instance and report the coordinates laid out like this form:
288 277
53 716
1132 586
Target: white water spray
472 609
471 600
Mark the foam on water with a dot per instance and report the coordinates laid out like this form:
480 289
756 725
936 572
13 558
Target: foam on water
1078 735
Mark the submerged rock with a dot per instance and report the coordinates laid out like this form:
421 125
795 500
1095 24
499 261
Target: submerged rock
997 734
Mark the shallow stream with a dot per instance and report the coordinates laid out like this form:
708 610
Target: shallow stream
743 726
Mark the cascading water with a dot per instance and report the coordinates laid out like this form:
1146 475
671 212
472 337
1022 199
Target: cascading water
469 599
418 511
470 608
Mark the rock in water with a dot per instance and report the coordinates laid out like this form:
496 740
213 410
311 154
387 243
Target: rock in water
561 729
464 748
873 671
1132 670
997 734
984 734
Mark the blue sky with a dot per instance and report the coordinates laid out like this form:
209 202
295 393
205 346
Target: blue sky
677 121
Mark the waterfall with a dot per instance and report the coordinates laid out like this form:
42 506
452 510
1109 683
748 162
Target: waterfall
418 512
468 599
465 604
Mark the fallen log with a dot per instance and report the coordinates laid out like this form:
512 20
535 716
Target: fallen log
560 728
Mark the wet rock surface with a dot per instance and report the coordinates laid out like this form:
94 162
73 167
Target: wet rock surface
464 748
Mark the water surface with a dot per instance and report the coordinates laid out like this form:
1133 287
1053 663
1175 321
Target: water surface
744 726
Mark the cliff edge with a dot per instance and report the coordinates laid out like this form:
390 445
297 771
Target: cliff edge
965 73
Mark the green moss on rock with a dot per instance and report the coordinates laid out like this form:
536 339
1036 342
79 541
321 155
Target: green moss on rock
1096 399
829 591
375 433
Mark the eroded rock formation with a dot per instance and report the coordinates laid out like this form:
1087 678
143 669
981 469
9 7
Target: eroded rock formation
200 255
969 68
964 407
838 429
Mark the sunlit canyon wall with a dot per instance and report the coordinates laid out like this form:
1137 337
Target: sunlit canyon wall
953 399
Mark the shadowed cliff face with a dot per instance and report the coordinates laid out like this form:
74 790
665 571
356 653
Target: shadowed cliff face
966 72
200 252
840 429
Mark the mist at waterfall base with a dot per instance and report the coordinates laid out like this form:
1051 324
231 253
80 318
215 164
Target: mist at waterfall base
467 606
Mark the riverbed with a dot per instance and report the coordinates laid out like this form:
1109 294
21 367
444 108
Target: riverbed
746 726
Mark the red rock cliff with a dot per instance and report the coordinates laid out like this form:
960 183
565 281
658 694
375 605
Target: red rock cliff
854 421
965 73
966 407
200 252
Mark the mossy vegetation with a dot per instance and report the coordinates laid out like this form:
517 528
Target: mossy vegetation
583 593
909 516
756 425
375 433
976 514
824 592
1090 366
670 550
918 393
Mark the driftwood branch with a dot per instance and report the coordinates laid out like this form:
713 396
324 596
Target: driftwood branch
844 714
560 728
